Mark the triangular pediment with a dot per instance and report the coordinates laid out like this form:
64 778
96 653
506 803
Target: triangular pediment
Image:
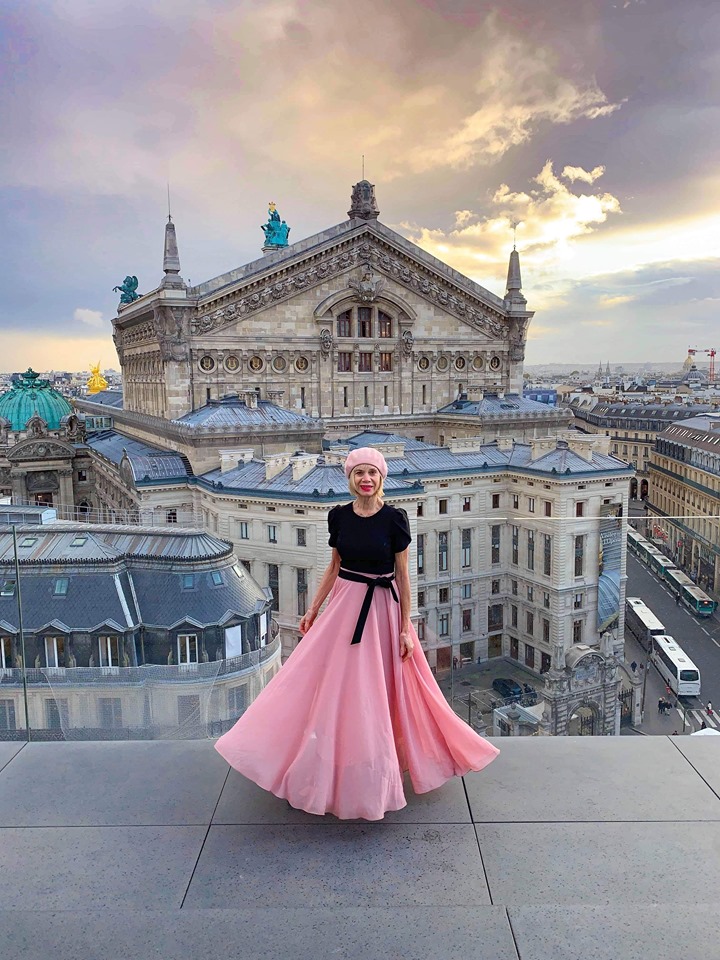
346 249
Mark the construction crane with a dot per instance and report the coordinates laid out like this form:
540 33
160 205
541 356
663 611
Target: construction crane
711 352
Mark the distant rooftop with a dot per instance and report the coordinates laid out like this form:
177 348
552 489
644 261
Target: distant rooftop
106 398
146 462
508 406
231 411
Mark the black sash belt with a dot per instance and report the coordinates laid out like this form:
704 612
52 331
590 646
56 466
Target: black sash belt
372 582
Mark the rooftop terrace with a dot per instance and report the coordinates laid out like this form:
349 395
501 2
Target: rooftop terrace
587 848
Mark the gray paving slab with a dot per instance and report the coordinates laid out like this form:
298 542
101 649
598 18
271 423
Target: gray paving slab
341 865
117 784
242 801
390 933
78 868
704 755
590 778
7 752
650 931
600 863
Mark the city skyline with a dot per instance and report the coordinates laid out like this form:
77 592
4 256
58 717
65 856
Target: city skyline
592 132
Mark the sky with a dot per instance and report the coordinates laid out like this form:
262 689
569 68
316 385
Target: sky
592 125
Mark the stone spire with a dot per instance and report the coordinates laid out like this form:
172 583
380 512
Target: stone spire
514 280
363 205
171 258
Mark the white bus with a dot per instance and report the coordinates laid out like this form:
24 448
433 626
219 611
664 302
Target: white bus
641 621
676 667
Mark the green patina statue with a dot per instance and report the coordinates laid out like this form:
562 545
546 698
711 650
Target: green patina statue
128 290
276 230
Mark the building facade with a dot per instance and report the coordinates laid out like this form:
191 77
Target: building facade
43 459
633 426
684 496
128 633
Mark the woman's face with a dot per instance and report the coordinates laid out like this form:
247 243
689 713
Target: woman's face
366 479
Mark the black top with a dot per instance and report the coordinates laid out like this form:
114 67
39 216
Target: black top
369 544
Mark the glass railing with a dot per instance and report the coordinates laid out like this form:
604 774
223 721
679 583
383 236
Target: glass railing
531 624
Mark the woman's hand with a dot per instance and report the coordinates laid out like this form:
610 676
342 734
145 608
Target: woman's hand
407 645
307 621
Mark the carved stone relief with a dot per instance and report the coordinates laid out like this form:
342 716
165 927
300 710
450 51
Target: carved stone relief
369 257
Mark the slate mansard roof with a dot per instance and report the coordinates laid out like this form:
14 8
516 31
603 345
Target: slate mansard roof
231 411
146 462
120 578
419 461
106 398
510 407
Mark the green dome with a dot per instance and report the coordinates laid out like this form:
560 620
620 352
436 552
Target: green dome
29 396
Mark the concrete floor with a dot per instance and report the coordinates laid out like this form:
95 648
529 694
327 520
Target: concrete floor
564 848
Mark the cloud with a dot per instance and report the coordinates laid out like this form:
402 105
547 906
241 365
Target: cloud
577 173
617 300
92 318
234 85
550 215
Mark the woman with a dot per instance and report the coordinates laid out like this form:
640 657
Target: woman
356 704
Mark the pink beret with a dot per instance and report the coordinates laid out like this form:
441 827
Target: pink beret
366 455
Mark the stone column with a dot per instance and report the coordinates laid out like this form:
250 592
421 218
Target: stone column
17 479
66 497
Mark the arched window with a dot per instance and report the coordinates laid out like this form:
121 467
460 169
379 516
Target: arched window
384 325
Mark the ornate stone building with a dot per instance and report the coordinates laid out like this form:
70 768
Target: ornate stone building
355 324
43 459
242 395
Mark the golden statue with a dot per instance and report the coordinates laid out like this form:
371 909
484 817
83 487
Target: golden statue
97 381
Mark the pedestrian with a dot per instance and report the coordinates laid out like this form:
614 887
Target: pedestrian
677 599
455 663
709 709
661 705
633 666
355 704
703 726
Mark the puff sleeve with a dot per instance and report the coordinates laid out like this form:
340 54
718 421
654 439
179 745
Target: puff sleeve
334 526
400 535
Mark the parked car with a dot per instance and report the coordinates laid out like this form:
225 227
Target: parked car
508 689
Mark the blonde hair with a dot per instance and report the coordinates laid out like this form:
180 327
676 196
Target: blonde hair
354 490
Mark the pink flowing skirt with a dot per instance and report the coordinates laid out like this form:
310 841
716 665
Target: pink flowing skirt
335 728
